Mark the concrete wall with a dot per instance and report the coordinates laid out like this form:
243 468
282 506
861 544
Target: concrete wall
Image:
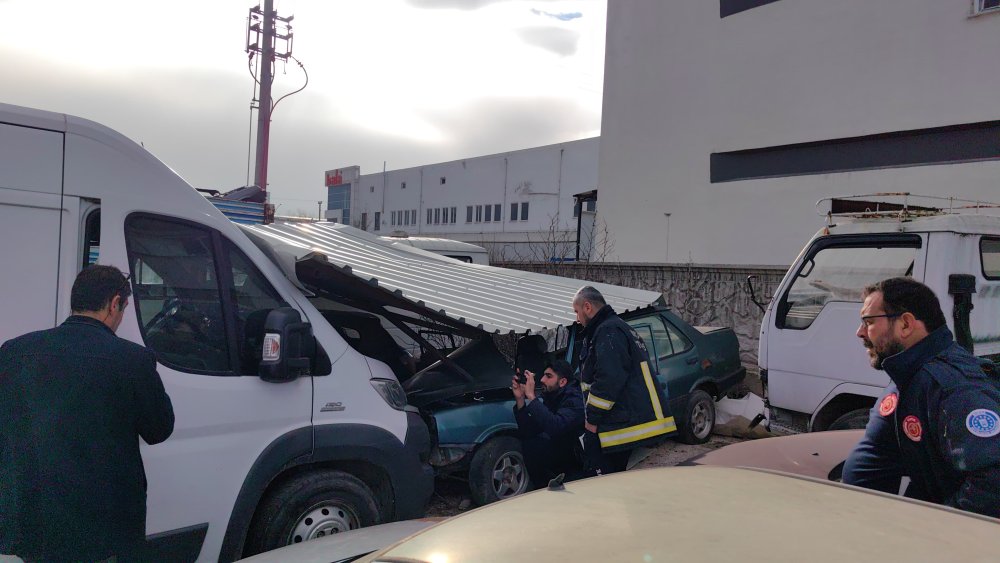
681 83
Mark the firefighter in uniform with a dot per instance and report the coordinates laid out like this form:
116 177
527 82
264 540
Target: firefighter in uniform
938 421
626 407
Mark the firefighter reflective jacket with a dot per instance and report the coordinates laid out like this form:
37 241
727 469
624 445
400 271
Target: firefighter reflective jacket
624 400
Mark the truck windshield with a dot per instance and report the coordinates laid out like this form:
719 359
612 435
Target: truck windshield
840 273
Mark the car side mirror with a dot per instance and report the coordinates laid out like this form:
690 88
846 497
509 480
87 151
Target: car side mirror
289 346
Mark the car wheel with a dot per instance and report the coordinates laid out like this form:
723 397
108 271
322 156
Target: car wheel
311 506
851 420
497 471
698 418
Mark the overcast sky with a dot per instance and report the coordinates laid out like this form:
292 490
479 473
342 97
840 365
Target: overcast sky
407 82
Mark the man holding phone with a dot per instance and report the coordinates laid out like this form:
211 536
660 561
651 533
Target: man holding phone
549 425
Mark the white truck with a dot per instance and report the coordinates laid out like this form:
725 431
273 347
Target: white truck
815 372
267 449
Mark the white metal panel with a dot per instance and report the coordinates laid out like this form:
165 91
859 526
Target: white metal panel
30 159
499 299
29 252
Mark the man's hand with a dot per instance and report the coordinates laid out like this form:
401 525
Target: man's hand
518 390
590 427
529 386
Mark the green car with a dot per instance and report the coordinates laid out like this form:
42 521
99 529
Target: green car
471 418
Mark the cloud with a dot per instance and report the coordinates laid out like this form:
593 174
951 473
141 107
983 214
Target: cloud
457 4
564 16
562 42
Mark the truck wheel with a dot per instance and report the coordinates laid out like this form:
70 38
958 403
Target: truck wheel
698 418
311 506
497 471
851 420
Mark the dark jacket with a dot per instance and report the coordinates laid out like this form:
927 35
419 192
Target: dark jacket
557 415
938 423
624 399
74 401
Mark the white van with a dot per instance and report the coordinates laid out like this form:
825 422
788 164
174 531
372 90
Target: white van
815 372
463 251
265 452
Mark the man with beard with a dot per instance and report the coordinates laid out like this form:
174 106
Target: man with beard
937 422
550 425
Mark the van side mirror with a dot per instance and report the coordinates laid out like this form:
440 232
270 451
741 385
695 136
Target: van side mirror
289 346
753 293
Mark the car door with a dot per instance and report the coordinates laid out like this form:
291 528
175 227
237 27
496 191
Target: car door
674 356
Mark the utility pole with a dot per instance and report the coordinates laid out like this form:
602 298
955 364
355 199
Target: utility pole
666 252
319 210
261 29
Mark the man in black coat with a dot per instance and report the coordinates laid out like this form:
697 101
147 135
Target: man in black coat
550 425
74 401
626 407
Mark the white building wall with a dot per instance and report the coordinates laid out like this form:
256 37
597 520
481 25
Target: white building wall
543 177
682 83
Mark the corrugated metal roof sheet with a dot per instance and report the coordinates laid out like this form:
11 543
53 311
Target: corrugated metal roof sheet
498 299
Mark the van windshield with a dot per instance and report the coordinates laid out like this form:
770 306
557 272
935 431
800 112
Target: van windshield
840 273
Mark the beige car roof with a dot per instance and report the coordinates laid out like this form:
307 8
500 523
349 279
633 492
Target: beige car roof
705 514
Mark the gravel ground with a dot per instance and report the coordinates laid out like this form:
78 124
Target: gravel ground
451 496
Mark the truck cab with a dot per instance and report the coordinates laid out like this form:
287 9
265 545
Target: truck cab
816 374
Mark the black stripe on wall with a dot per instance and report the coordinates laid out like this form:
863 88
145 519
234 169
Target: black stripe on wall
940 145
730 7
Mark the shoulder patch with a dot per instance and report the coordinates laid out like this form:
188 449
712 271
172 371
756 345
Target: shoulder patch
888 404
983 423
912 428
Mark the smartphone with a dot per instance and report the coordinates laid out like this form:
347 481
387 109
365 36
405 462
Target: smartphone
519 375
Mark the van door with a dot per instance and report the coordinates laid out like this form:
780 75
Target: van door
200 304
811 343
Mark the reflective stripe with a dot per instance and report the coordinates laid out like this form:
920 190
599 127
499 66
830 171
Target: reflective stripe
653 399
584 386
637 432
600 403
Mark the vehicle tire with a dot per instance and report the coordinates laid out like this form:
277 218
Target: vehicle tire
698 419
310 506
851 420
497 471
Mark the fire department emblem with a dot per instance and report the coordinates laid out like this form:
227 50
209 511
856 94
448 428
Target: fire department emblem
888 404
912 428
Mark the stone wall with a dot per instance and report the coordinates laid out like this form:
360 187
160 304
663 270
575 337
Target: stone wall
703 295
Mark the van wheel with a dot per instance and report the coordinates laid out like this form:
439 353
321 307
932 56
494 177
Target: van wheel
698 418
311 506
851 420
497 471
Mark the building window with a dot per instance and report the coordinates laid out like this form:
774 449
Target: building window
364 221
468 214
406 217
985 6
437 216
402 185
496 213
592 205
489 213
513 212
413 214
479 213
442 180
454 212
392 218
524 211
378 220
430 216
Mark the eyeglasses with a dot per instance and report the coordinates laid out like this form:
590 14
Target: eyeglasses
867 321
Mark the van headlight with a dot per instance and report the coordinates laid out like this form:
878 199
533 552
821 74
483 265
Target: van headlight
391 391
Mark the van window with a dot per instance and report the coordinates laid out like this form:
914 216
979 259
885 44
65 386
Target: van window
253 298
92 238
176 293
989 254
840 273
